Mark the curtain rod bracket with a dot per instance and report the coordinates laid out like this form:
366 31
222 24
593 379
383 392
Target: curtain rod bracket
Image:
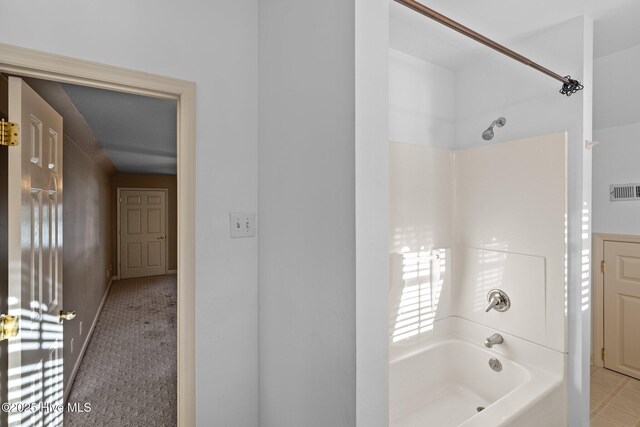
572 87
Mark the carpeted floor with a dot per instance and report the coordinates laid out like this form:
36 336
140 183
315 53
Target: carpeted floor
128 373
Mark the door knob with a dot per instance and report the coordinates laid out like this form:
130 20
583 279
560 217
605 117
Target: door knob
9 327
162 237
66 315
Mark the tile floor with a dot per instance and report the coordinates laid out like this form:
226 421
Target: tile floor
615 399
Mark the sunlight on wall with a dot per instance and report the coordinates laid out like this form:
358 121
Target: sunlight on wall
586 259
566 266
423 274
585 264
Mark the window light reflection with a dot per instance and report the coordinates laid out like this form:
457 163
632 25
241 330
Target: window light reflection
423 274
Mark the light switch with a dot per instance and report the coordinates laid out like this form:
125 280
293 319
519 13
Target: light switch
242 225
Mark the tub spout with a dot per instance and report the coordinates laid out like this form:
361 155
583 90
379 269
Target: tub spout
493 340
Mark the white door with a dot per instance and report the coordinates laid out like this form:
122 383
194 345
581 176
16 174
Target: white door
622 307
35 257
143 239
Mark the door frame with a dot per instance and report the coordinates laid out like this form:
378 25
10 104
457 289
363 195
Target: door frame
597 322
166 222
32 63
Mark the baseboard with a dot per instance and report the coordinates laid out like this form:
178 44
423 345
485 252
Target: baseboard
172 271
72 377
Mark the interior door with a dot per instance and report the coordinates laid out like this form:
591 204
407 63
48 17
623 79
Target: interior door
622 307
4 226
143 239
35 258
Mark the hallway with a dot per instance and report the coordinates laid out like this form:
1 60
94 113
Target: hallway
128 373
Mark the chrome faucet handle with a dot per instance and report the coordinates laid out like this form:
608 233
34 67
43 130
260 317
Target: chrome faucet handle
498 301
494 303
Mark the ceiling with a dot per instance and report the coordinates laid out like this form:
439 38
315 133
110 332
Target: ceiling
615 26
137 132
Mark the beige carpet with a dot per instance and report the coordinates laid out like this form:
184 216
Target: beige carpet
128 373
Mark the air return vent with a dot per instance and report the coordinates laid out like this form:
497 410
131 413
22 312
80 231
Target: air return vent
624 192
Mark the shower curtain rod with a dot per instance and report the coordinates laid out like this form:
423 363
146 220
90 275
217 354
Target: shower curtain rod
569 85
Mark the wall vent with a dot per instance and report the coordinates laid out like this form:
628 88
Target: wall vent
624 192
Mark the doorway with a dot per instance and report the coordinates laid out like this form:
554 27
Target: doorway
616 293
622 307
26 63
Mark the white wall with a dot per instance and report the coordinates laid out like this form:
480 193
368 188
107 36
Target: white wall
420 198
617 128
421 101
214 44
616 88
421 128
511 205
477 212
421 207
371 184
307 214
615 161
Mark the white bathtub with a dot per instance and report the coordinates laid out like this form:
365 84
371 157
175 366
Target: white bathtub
445 383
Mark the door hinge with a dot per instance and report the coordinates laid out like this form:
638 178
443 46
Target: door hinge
602 354
8 133
602 266
8 327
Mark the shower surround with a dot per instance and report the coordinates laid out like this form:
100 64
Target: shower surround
463 222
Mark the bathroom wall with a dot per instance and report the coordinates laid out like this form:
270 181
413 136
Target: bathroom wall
421 101
511 204
307 183
463 222
615 161
420 241
372 202
617 126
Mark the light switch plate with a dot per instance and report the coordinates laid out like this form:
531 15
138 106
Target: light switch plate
242 224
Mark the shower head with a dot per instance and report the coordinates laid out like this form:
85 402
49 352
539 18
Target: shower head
488 134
